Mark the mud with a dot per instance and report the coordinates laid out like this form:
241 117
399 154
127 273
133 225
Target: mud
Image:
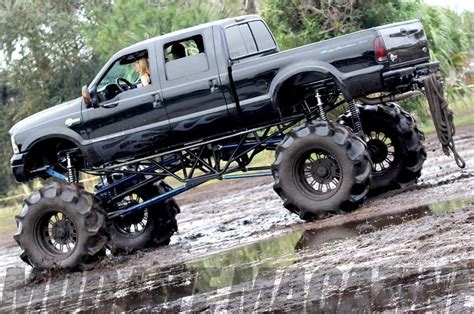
237 247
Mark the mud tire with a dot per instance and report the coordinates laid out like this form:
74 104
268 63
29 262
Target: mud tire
406 139
161 224
345 147
79 208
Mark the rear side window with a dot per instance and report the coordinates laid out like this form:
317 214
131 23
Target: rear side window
183 48
262 36
185 57
240 41
248 38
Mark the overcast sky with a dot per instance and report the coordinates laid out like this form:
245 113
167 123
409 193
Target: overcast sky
458 5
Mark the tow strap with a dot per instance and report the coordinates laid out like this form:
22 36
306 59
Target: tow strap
442 117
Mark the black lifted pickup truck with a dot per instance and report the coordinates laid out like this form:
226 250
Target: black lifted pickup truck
200 104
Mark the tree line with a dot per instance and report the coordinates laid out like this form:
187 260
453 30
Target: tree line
50 48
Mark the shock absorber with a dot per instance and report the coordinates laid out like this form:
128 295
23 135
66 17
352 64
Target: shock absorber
72 175
355 118
319 102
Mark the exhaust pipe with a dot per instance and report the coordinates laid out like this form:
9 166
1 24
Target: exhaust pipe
389 98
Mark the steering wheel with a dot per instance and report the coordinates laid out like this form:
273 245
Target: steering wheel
125 87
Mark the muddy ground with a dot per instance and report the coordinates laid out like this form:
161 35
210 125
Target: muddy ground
237 247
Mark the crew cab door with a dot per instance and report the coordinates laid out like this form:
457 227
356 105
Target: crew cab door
130 122
192 90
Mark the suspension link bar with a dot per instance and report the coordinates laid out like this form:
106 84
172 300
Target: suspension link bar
182 165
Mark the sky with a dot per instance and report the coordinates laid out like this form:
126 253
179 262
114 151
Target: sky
457 5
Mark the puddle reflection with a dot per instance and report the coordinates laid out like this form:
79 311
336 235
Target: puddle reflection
240 265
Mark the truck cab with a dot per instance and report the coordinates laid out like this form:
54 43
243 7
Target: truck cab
191 97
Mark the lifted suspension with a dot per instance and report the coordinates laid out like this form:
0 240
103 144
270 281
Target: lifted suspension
356 118
72 173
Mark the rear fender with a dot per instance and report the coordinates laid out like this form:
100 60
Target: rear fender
291 70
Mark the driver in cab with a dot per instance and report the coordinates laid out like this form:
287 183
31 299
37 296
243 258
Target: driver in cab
143 70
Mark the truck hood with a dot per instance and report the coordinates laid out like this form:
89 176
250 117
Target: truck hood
46 116
22 131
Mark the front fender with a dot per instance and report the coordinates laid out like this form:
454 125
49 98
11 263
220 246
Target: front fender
44 134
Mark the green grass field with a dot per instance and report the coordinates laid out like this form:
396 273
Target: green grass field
461 118
463 115
7 219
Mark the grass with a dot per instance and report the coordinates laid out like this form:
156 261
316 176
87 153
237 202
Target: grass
461 118
7 219
463 115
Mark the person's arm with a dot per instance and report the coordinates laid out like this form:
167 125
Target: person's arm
145 78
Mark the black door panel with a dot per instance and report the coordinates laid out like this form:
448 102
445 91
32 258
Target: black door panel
134 125
192 91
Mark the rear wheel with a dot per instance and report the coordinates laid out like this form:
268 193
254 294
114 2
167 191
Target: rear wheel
152 227
61 227
321 167
394 143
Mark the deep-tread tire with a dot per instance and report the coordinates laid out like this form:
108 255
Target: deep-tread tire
347 148
409 152
160 227
79 207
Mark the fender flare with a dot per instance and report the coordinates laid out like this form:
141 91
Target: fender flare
320 67
50 136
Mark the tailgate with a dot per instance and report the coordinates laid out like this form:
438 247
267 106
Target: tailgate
406 43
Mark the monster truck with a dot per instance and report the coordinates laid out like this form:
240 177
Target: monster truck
205 115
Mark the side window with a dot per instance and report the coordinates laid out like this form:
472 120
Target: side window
262 36
244 39
127 72
240 40
118 69
185 57
235 42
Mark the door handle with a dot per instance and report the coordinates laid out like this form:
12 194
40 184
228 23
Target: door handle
213 85
157 101
110 105
148 98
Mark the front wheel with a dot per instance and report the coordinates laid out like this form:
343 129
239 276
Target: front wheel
60 226
321 167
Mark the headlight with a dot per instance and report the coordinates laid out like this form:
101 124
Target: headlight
16 150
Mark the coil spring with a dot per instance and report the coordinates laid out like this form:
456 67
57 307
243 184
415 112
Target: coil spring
72 174
322 113
355 117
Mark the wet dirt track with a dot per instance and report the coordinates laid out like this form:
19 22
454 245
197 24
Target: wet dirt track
237 247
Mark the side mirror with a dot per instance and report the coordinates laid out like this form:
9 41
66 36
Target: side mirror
86 97
89 97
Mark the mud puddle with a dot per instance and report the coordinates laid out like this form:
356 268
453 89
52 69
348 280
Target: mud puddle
318 237
219 280
305 269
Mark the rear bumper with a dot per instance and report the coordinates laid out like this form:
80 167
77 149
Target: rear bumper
405 76
17 163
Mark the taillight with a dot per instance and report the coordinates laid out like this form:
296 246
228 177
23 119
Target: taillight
379 50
